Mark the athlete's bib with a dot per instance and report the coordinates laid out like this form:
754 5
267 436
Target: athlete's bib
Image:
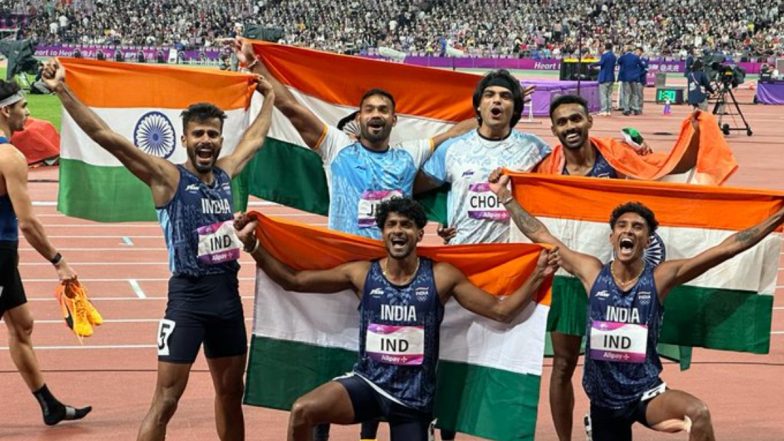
218 243
620 342
368 204
391 344
483 203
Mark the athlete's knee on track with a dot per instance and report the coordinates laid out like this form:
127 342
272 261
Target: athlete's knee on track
21 331
305 412
563 367
230 393
164 407
698 413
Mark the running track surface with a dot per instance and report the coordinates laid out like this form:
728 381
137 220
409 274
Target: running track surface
124 269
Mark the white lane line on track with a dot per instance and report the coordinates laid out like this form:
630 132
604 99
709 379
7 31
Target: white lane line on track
122 248
57 348
102 236
98 300
138 279
137 289
250 204
114 321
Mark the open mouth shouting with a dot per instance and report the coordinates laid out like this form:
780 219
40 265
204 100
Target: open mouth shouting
205 156
496 112
398 245
376 126
626 247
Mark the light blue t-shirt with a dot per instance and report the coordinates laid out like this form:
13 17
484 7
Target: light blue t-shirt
466 162
359 179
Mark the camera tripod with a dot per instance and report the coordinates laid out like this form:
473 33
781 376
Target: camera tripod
724 106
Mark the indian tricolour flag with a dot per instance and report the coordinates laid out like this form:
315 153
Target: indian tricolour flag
488 376
730 306
429 101
143 104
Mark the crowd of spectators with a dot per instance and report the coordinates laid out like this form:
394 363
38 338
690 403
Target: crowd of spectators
745 29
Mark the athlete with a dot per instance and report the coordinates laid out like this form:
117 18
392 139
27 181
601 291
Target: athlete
580 154
194 206
16 213
385 382
466 161
628 390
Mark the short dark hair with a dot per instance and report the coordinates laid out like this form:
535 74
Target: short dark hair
8 88
378 92
608 46
635 207
403 206
494 78
568 99
347 119
201 112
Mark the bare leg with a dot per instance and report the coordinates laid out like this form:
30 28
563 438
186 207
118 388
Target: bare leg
20 329
171 382
227 378
675 410
566 351
328 403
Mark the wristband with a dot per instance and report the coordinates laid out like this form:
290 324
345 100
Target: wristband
507 200
57 258
253 250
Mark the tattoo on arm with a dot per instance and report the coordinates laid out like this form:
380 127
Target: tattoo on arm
747 235
527 223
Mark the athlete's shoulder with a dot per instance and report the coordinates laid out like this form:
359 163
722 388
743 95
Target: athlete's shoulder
11 156
457 144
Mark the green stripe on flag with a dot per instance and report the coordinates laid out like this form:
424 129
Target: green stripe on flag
114 194
280 371
103 194
718 319
294 176
470 397
290 175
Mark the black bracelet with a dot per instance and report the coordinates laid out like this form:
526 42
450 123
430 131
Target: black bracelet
56 259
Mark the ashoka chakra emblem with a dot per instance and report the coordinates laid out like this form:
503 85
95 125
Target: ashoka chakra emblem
154 134
655 253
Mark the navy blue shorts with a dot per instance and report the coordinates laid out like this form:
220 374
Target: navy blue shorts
12 292
405 423
616 424
200 310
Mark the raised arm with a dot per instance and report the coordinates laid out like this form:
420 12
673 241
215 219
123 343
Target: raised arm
347 276
253 138
158 173
583 266
456 130
13 169
487 305
309 126
672 273
689 159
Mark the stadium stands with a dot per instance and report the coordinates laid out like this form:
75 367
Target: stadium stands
750 30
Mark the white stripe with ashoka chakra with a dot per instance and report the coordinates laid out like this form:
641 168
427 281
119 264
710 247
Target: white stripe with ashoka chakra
77 145
754 270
